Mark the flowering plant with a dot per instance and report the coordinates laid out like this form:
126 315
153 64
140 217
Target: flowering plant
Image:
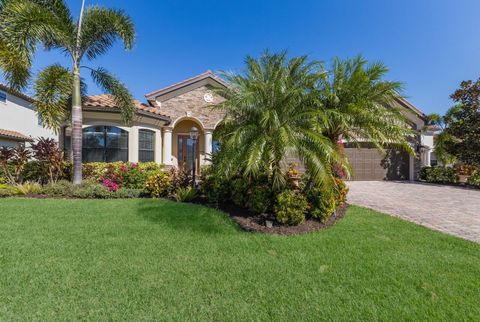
109 184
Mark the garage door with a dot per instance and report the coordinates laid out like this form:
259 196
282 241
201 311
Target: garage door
368 163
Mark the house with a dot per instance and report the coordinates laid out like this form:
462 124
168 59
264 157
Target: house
160 132
368 163
19 122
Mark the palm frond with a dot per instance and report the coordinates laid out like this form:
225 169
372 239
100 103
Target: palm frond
53 93
101 28
271 110
24 23
15 66
111 85
361 105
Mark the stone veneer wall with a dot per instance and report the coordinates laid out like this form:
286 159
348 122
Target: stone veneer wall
192 104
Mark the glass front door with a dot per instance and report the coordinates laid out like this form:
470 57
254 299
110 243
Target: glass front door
185 153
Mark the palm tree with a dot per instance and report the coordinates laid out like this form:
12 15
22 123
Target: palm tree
361 105
443 139
269 112
58 90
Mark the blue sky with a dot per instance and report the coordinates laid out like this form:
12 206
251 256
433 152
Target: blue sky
430 46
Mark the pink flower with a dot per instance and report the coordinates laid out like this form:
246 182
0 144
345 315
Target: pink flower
110 184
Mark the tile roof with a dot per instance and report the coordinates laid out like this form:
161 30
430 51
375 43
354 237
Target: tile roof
14 135
107 101
11 91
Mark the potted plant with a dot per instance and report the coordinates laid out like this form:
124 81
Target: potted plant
464 172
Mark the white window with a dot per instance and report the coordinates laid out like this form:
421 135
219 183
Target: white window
146 145
3 97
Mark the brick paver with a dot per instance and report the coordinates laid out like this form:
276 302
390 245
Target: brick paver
452 210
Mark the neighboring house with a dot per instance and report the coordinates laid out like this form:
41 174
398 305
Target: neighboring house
19 123
160 132
369 164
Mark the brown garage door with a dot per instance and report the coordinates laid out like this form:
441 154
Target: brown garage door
368 163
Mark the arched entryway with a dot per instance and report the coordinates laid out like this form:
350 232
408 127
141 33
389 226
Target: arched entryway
183 146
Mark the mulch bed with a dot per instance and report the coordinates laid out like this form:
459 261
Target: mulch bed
256 223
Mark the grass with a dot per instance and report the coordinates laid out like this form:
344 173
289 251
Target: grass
160 260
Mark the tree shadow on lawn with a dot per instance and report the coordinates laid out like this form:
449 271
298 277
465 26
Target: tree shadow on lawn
185 216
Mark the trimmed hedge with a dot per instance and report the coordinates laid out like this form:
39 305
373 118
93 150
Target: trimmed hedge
438 175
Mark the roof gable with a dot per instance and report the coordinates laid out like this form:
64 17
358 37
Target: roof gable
206 79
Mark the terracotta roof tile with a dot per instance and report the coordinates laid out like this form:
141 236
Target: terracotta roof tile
14 135
108 101
11 91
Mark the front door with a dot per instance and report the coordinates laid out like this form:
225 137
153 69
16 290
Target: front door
185 153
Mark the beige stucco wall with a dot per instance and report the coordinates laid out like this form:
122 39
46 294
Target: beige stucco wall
140 122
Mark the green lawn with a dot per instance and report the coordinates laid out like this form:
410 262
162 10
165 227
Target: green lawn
155 259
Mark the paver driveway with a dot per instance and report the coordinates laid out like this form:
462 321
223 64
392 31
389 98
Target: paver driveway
452 210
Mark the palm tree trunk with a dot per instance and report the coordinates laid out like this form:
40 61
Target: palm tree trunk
77 116
77 121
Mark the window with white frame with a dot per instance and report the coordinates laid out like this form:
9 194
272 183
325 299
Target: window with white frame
146 145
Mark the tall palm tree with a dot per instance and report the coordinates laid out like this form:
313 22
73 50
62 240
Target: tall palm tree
58 90
361 105
269 112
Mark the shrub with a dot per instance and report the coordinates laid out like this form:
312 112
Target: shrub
133 177
239 188
322 203
259 199
474 179
109 184
27 188
127 193
12 163
185 194
50 157
180 179
159 185
20 159
60 188
6 190
91 191
438 175
215 188
290 207
6 156
341 191
127 175
33 171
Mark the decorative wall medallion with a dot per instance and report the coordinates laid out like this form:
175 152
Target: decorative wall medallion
208 97
188 113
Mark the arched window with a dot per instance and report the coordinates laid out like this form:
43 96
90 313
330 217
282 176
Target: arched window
146 145
104 144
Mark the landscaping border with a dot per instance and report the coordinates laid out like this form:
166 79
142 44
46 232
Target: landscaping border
257 223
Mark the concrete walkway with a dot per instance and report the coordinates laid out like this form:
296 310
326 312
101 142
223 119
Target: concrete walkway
452 210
